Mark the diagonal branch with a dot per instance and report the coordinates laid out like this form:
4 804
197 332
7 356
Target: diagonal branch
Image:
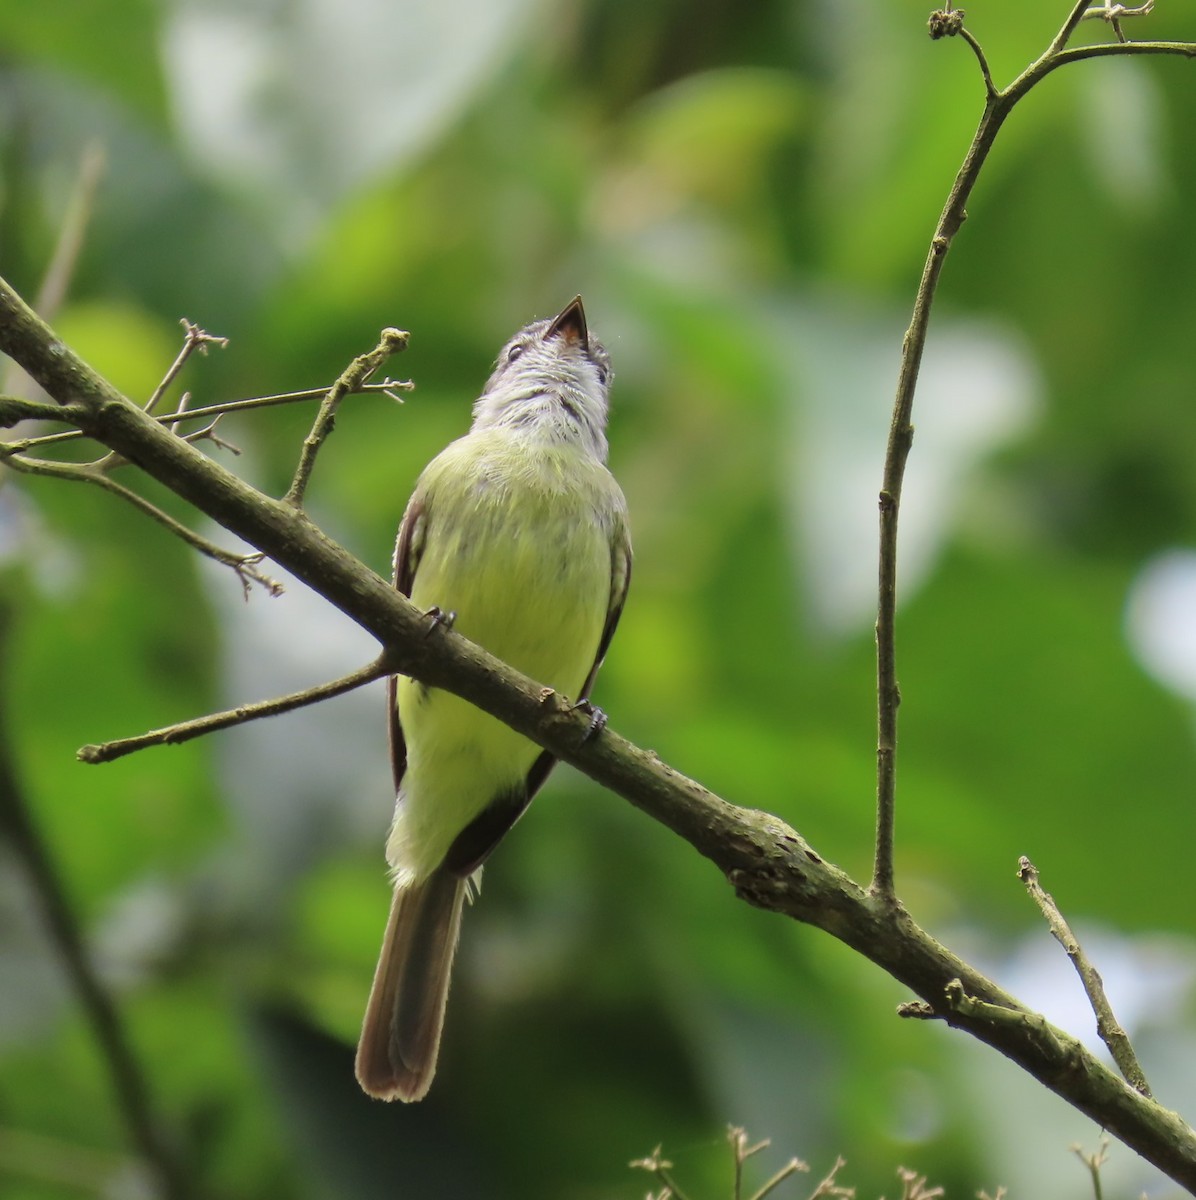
1107 1025
185 731
194 339
243 565
14 409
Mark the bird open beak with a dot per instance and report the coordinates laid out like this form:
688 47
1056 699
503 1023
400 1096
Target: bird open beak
571 321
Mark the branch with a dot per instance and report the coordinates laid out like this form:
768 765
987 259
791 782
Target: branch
128 1081
901 433
1069 27
185 731
194 339
659 1167
1107 1025
997 107
351 379
14 409
243 565
766 862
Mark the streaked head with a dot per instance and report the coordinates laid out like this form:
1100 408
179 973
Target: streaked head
552 379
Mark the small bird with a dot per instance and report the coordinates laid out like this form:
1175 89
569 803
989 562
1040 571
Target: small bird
517 533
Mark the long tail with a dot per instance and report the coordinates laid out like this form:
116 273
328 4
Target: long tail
396 1057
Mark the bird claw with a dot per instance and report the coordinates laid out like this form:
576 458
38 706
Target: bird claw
439 619
597 719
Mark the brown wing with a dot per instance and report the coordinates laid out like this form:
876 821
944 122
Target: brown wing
409 546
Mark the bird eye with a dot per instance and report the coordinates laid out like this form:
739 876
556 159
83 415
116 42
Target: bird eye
514 353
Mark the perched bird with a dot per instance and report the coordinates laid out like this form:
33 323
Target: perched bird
518 533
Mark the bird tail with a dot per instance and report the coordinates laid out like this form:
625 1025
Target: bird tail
396 1057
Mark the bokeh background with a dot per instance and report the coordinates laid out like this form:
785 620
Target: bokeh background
744 195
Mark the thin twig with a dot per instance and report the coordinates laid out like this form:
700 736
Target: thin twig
1114 14
1116 49
185 731
350 380
913 1186
194 339
1068 28
742 1151
1107 1025
661 1168
208 434
128 1080
56 412
244 565
990 88
1094 1162
738 1140
829 1188
792 1167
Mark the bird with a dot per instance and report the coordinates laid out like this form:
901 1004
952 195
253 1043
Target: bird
517 535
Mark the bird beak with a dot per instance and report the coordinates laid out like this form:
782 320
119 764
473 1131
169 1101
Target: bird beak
571 321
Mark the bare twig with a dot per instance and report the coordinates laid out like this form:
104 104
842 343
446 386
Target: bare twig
1107 1025
208 434
1068 28
827 1187
185 731
742 1151
659 1167
350 380
990 88
1114 14
1094 1162
14 408
1118 49
244 565
792 1167
913 1186
194 339
129 1083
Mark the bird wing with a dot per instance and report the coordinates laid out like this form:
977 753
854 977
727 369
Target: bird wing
409 548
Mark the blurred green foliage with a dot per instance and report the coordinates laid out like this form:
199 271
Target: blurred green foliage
744 196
